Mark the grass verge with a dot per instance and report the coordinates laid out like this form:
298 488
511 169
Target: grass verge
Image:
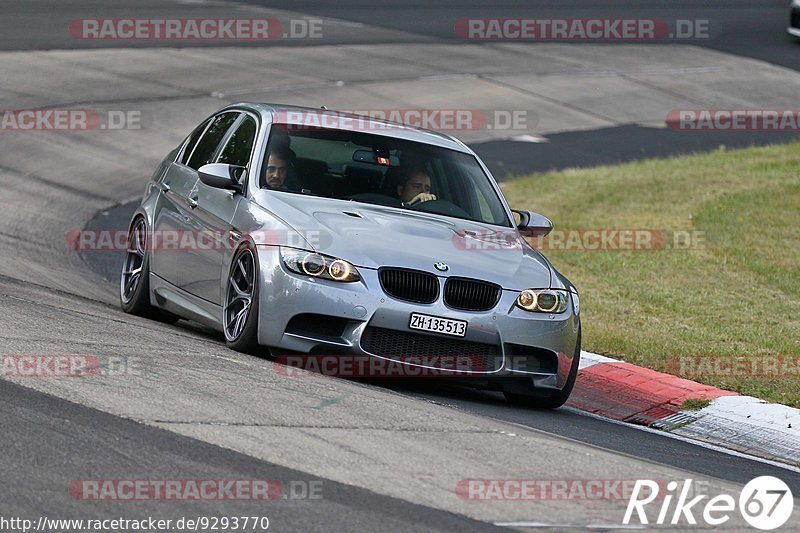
714 293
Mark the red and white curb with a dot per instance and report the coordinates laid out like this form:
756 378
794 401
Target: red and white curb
630 393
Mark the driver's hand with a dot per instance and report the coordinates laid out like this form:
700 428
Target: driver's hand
422 197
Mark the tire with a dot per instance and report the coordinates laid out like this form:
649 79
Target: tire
134 283
557 398
240 306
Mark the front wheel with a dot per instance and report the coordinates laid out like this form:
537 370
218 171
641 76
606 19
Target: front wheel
557 398
240 309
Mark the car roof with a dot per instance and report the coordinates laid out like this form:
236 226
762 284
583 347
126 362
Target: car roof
299 115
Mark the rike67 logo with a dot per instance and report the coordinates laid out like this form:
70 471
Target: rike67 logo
765 503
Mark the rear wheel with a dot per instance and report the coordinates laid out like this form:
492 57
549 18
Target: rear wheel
240 309
134 283
557 398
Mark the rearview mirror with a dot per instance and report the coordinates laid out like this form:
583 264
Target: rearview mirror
222 176
532 224
370 156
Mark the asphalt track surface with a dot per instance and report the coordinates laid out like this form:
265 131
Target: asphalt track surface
742 27
64 437
747 28
388 454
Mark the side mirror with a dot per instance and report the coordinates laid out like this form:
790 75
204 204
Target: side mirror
222 176
532 224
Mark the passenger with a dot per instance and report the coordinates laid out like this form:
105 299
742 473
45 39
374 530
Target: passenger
414 186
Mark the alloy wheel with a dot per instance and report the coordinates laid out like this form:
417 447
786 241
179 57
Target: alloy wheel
134 260
239 294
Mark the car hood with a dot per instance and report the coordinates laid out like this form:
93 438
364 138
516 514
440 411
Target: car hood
372 236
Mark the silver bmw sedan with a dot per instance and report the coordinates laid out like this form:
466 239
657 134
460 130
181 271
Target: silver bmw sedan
321 237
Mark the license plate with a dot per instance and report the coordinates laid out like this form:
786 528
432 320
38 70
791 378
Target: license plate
437 324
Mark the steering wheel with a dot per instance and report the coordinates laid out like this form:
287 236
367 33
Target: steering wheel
440 207
375 198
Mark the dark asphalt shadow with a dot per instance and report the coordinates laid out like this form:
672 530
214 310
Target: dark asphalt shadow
507 159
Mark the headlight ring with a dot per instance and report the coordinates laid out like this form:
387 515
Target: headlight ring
543 300
318 265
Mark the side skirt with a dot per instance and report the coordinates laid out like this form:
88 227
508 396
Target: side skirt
166 296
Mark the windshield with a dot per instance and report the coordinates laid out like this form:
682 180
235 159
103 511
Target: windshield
364 167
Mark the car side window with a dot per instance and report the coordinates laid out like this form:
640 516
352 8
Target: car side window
208 143
192 141
240 145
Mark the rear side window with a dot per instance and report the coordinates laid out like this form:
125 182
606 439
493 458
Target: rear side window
207 146
193 138
240 144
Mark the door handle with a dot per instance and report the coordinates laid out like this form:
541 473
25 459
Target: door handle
192 201
233 237
164 186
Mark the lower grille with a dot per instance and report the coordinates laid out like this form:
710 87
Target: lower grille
471 295
314 325
795 19
430 350
531 359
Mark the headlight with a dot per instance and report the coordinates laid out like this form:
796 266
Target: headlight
318 265
543 300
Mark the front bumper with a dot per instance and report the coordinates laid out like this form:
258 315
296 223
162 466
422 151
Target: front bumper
309 315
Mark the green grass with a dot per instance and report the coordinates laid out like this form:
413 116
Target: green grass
736 293
695 404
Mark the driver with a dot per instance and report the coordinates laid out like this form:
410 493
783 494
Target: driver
278 164
415 187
